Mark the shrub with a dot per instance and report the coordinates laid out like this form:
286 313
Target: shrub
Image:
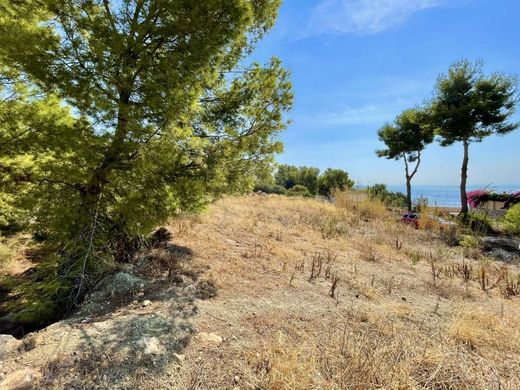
512 219
299 190
333 179
389 198
479 223
270 189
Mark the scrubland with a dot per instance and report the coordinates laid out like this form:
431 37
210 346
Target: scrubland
407 311
312 295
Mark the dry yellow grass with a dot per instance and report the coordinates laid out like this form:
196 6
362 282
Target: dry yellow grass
406 315
407 311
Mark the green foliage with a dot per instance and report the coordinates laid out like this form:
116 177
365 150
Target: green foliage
407 136
270 189
512 219
469 106
147 118
390 198
479 223
333 179
405 139
289 175
299 190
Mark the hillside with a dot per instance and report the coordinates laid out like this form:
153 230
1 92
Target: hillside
240 298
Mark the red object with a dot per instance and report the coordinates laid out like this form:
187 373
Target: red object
411 219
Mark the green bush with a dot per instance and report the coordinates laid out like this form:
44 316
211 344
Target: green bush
389 198
479 223
299 190
512 219
270 189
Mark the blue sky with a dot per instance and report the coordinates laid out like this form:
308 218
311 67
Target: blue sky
357 63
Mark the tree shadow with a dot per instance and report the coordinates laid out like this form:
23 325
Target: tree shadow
125 337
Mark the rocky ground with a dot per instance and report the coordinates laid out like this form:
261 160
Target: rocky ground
266 292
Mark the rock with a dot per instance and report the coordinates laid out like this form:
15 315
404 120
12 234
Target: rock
119 284
236 379
509 244
503 255
151 345
179 358
30 342
209 338
20 380
8 345
146 303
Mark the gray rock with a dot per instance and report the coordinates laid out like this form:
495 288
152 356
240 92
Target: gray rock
8 345
119 284
503 255
509 244
151 345
20 380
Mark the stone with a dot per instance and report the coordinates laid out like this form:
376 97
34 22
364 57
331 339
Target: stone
146 302
117 285
509 244
151 345
8 345
20 380
209 338
179 358
503 255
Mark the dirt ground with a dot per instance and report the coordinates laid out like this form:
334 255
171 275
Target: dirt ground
309 296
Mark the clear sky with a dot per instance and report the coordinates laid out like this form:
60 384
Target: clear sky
357 63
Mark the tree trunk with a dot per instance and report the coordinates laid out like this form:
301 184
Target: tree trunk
408 185
463 179
408 193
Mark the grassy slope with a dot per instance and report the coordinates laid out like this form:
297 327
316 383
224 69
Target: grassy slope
391 326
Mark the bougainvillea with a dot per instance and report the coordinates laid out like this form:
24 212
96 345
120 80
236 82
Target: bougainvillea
478 197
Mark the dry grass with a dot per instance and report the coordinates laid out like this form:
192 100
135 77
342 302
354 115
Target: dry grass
410 311
407 311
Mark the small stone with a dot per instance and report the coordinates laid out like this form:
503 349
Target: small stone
8 344
146 303
209 338
236 379
151 345
20 380
135 302
179 358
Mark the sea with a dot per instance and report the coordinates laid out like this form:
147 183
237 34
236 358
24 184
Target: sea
448 195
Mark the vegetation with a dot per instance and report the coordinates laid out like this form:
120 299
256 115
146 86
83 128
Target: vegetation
512 219
469 106
405 139
299 190
390 198
332 179
117 115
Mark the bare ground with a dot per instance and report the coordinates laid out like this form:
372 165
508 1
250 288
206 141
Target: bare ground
408 311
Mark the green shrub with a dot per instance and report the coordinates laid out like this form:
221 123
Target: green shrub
299 190
479 223
270 188
512 219
389 198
